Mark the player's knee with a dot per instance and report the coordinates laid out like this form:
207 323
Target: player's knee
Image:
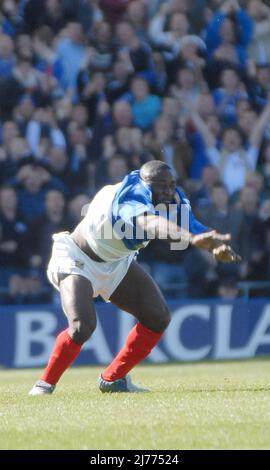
164 318
161 320
81 331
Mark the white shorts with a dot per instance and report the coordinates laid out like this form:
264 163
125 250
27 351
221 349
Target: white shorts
68 258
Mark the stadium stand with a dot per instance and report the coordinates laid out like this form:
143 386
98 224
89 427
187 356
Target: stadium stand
90 90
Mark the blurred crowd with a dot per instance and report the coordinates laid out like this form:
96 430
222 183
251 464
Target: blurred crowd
90 90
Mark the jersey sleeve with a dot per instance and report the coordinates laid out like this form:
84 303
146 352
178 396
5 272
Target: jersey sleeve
132 200
185 211
133 206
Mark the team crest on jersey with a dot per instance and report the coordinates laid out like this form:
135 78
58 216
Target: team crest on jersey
78 264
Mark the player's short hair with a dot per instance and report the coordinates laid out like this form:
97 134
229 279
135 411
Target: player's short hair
152 168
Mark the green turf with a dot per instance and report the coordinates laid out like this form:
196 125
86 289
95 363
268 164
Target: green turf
191 406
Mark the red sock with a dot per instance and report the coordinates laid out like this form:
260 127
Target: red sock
138 345
63 354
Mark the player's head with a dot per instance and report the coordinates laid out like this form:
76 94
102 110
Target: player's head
159 176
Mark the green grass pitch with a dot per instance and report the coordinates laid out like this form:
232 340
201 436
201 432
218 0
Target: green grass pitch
218 405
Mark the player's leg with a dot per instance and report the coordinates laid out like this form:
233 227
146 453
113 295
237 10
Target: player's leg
77 301
139 295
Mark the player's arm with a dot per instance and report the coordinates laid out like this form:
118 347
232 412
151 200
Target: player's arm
158 227
205 238
214 242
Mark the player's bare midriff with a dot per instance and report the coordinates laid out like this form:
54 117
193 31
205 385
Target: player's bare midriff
78 238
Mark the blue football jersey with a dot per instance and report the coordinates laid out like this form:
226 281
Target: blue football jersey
134 197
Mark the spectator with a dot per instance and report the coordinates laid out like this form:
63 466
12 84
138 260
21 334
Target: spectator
24 112
226 97
192 56
92 94
118 84
45 55
246 120
261 85
57 165
32 183
102 49
28 77
161 142
135 52
114 9
226 218
145 107
7 58
233 160
33 12
259 47
53 15
170 110
85 12
108 121
137 15
71 52
173 40
122 115
254 265
222 29
10 131
42 131
17 154
8 17
116 169
222 216
200 189
13 236
77 208
186 90
53 220
79 157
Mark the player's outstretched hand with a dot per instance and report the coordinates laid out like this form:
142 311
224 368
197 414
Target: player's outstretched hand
225 254
209 240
